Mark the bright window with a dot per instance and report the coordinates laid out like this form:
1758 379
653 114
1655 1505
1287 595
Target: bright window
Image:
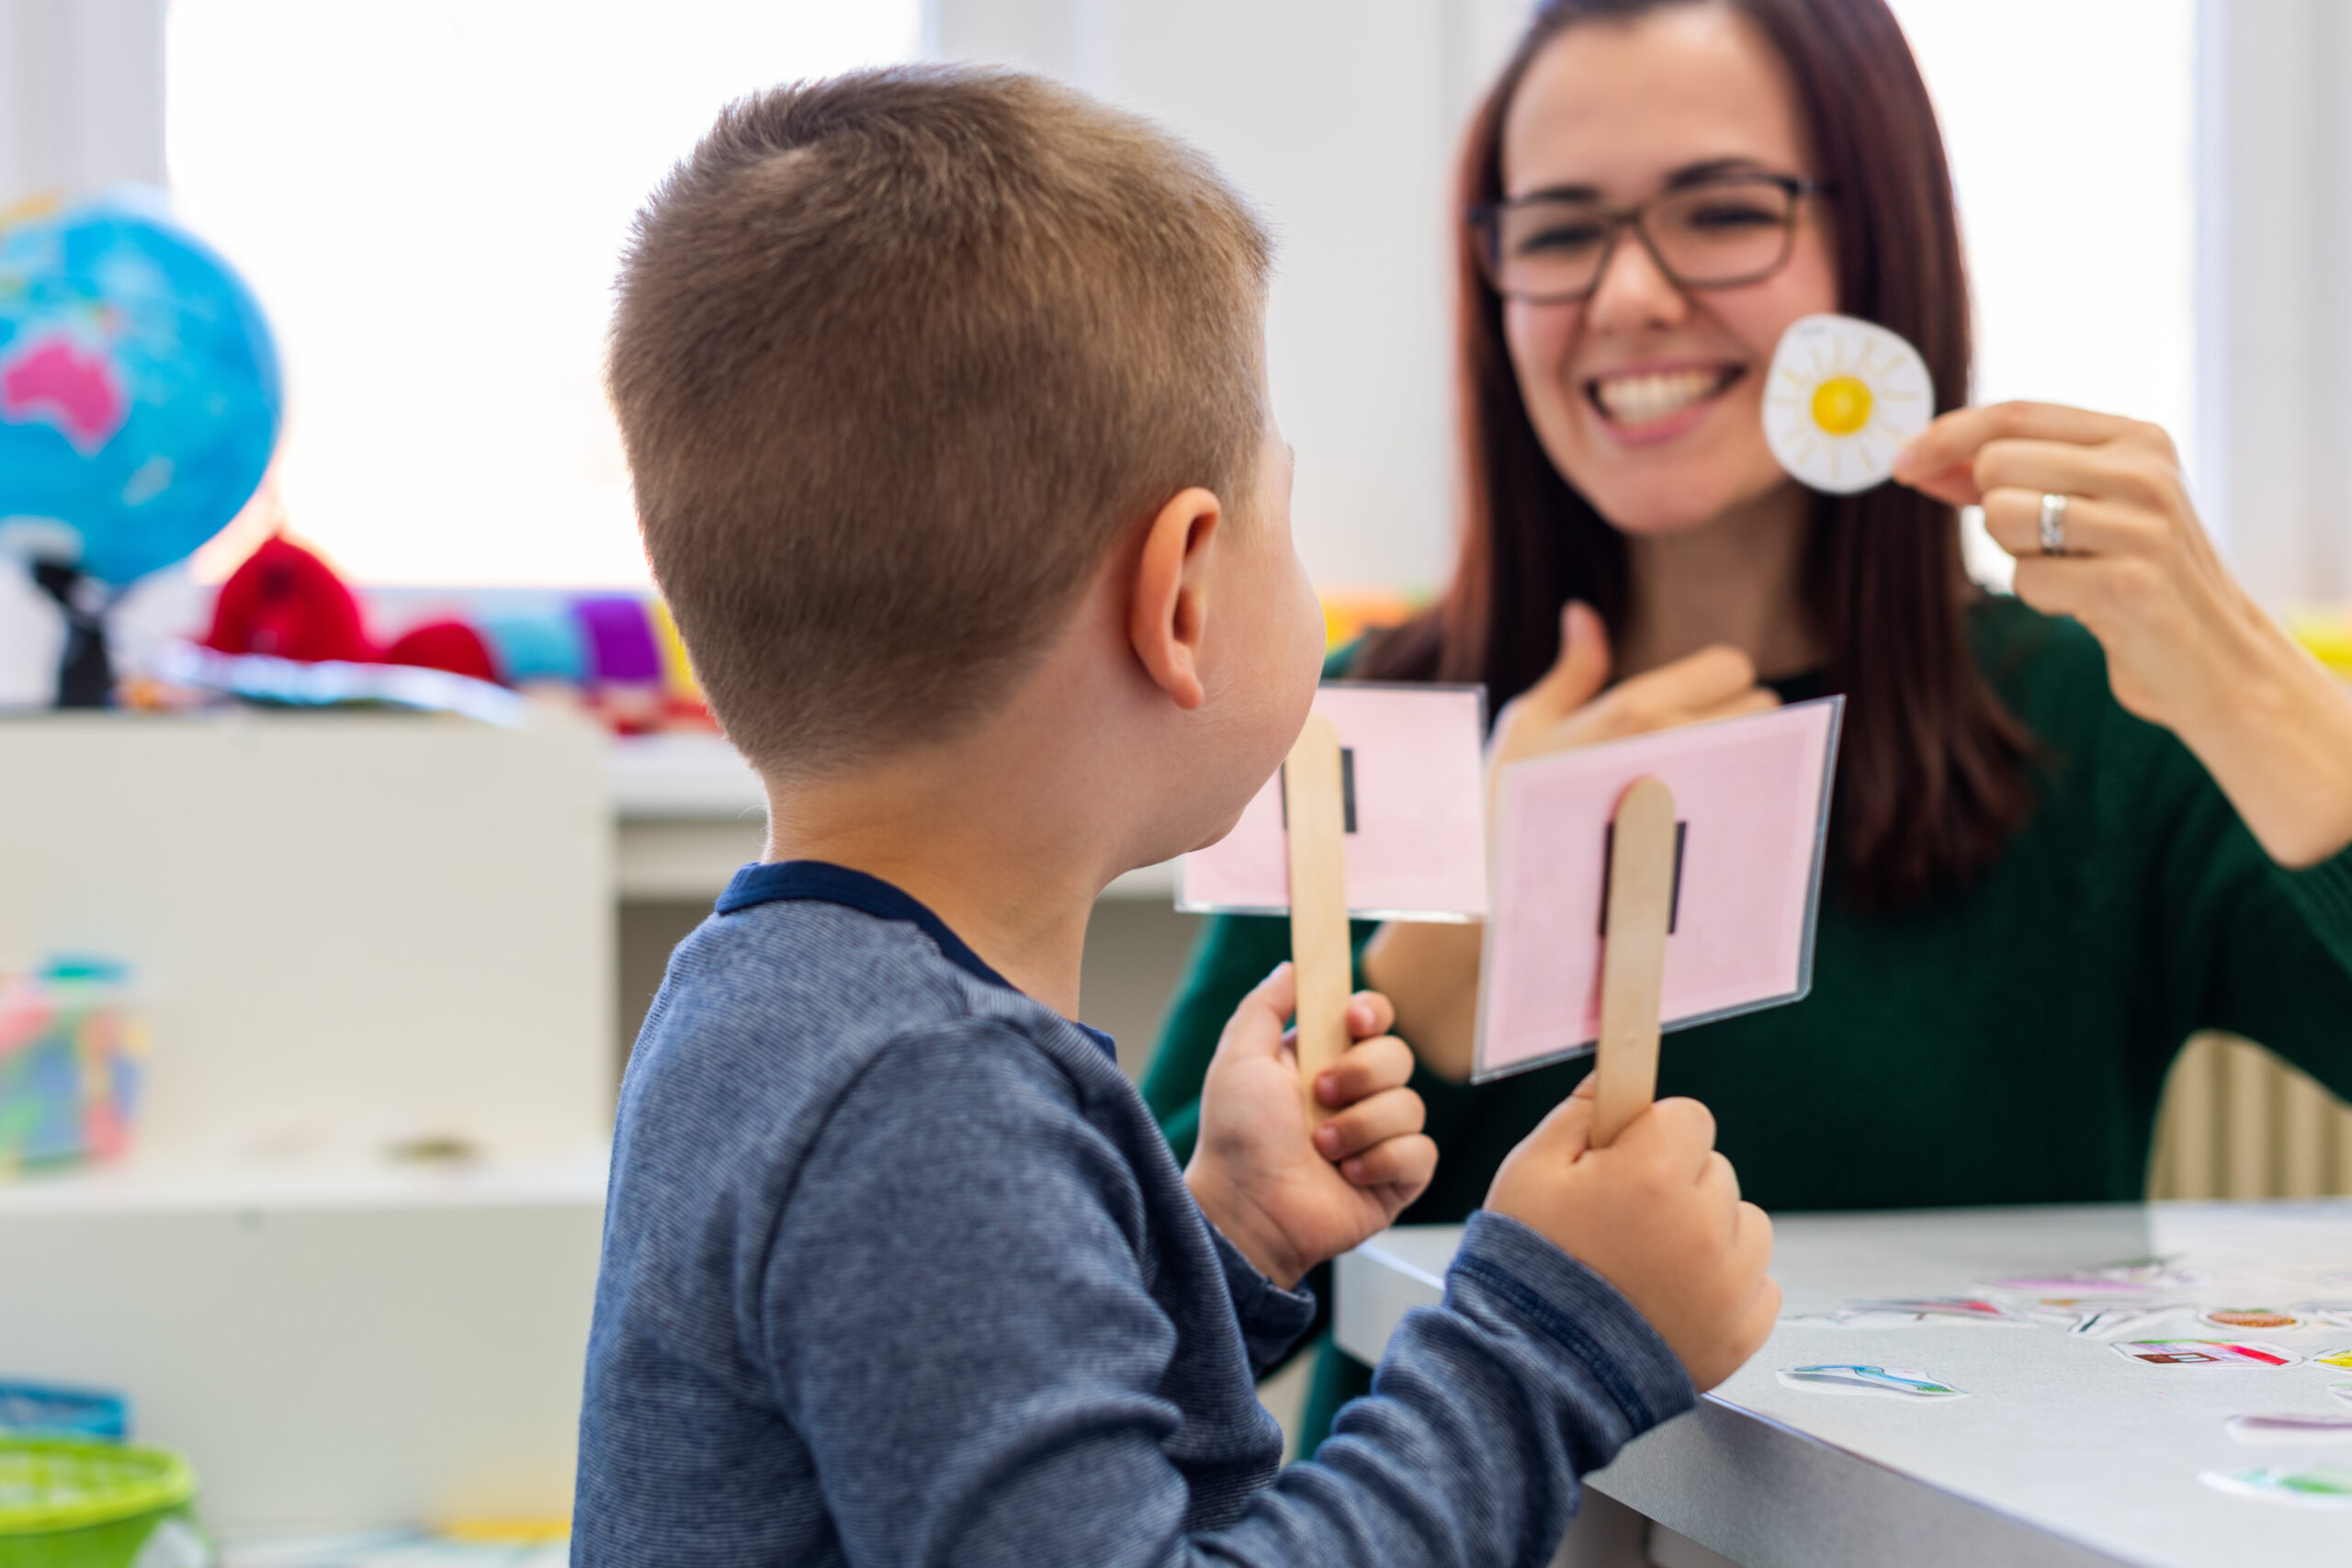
2071 125
431 199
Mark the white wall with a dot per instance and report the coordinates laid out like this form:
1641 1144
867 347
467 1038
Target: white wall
1341 122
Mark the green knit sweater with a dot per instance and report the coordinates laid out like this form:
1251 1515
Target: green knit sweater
2003 1043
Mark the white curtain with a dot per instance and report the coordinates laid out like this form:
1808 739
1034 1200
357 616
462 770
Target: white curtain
2275 283
81 95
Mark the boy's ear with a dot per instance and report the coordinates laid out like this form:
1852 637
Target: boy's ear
1169 598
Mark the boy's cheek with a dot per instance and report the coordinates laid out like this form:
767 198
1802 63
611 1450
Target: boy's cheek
1311 637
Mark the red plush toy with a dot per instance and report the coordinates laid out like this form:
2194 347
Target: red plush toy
287 602
445 644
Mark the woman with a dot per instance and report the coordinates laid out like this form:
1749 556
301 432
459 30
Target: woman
2060 846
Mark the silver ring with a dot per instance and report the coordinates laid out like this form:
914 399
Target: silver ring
2053 525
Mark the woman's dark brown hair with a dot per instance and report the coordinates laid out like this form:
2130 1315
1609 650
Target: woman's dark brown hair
1930 775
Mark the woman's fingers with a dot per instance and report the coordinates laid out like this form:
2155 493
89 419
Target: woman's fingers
1941 459
1760 699
2130 475
2120 598
1392 1113
2093 526
1676 693
1574 678
1582 668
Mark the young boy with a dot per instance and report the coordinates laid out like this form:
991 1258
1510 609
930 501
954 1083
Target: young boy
944 401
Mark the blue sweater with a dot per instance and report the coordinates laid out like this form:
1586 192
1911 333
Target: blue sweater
897 1270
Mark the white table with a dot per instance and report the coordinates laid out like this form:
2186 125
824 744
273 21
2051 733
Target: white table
2064 1453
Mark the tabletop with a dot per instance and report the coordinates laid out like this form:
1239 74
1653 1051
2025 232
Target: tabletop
2072 1437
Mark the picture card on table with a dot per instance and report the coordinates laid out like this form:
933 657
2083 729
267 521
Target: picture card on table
1412 777
1751 804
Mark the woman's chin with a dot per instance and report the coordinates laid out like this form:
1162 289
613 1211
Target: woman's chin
1657 517
1678 501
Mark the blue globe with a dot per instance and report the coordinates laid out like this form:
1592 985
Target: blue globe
139 397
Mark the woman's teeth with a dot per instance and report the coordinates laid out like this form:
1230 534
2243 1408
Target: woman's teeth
1646 399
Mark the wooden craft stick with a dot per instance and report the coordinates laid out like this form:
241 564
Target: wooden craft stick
1319 900
1633 956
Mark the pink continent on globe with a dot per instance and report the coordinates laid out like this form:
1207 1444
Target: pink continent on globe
56 379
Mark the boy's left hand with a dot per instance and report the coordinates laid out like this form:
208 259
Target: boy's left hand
1288 1194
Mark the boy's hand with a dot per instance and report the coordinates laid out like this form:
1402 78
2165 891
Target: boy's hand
1658 1214
1290 1195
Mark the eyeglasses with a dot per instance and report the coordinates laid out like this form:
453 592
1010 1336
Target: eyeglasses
1727 230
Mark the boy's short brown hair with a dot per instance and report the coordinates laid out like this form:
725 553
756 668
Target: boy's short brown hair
896 358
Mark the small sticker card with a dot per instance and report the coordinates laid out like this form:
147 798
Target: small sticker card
2315 1488
1413 788
2255 1319
1841 398
1900 1383
2133 1276
1916 1313
2205 1353
2111 1321
1751 806
2259 1429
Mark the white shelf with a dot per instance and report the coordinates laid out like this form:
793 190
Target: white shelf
289 1186
333 1348
695 778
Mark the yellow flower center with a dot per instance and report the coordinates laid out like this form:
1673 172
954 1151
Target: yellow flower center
1841 405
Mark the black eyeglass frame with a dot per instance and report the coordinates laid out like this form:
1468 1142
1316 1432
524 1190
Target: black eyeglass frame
1485 226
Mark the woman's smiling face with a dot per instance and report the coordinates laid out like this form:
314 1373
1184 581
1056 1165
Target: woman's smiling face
1648 399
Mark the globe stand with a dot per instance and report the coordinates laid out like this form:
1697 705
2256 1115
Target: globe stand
86 674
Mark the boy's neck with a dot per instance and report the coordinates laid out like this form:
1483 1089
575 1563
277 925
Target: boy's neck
1007 832
1020 904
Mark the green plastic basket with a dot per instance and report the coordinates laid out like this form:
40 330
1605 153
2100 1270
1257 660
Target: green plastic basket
65 1504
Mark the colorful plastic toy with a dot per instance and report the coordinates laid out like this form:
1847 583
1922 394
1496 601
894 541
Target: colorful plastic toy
71 1053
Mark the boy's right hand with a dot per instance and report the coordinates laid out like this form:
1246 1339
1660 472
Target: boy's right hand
1289 1192
1658 1214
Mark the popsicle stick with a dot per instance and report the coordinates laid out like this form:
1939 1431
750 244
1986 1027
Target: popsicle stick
1632 957
1319 900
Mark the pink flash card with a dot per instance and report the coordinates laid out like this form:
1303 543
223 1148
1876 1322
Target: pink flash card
1751 808
1413 805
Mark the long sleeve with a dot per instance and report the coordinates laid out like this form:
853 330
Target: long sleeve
968 1314
2250 947
1271 1319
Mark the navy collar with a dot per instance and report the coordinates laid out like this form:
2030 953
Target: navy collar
821 882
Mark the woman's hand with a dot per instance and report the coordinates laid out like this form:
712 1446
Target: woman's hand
1567 707
2187 647
1431 971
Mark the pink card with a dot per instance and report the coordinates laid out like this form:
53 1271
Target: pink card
1416 840
1751 804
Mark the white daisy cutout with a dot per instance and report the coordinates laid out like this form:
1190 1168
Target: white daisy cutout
1842 397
